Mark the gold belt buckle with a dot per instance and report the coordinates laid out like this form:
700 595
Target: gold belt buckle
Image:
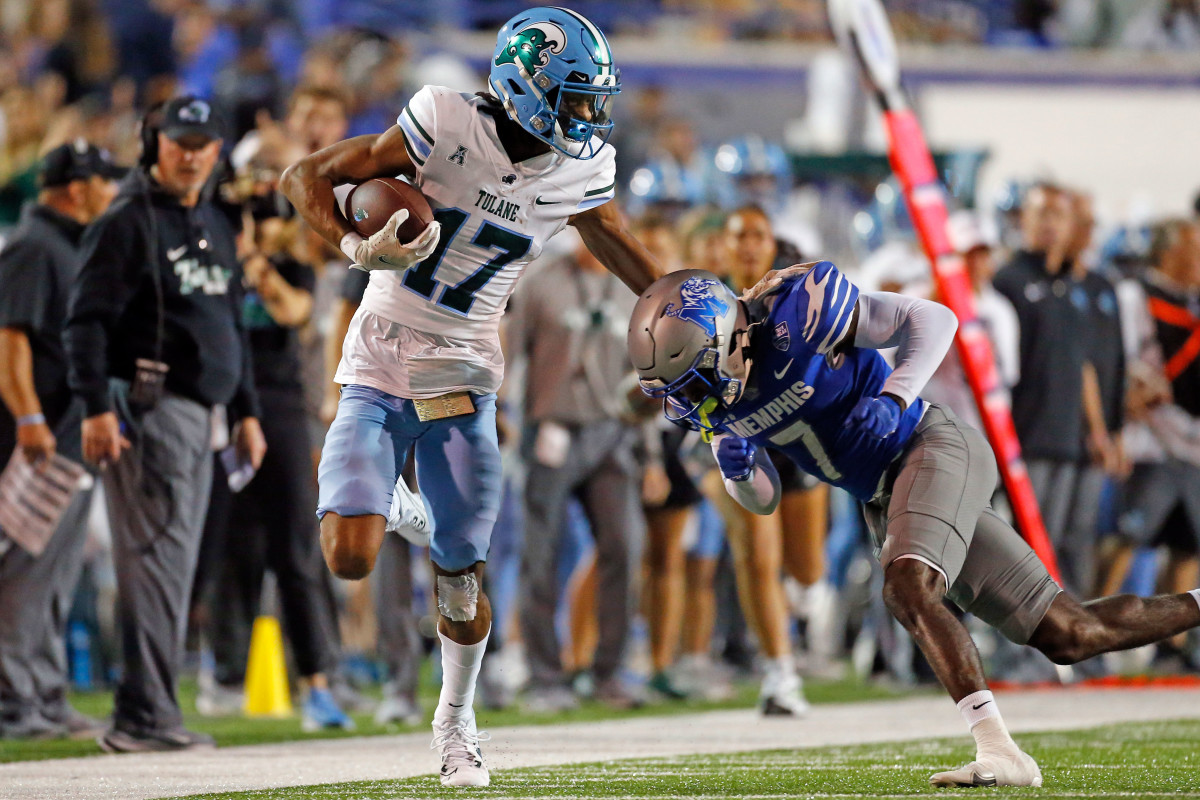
455 404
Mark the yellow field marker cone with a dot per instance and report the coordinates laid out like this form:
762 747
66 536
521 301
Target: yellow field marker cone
267 693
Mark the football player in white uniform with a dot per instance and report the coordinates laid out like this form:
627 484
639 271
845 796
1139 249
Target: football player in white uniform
421 364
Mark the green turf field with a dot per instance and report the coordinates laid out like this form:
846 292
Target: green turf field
229 731
1145 760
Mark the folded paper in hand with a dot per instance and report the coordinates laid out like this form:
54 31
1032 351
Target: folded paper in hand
33 498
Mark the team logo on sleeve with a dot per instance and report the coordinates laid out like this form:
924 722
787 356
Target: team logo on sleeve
782 338
700 306
533 46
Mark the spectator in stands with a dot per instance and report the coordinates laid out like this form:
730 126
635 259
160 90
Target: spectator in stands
1103 405
37 268
1051 306
948 385
1164 408
270 522
568 325
794 535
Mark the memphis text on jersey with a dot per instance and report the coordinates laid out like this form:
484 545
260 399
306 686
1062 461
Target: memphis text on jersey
789 401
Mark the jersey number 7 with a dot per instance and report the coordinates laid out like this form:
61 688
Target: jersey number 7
461 296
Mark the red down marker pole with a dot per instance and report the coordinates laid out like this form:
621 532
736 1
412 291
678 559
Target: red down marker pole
862 28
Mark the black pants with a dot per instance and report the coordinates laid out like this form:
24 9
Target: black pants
272 525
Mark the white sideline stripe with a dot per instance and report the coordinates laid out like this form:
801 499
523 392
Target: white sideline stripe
263 767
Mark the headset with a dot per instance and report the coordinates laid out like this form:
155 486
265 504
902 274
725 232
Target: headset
152 122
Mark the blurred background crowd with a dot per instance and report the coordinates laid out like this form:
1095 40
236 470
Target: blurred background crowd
619 570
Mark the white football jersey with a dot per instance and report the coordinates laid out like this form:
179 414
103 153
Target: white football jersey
496 216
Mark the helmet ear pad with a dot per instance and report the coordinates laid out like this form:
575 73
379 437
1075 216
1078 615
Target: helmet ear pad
149 128
735 361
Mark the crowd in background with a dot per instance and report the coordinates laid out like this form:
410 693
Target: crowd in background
619 570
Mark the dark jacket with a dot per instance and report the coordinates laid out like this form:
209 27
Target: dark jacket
148 243
1047 402
37 267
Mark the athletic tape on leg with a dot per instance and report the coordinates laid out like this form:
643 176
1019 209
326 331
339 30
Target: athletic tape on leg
458 596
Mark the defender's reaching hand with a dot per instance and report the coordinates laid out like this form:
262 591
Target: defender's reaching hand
875 416
735 456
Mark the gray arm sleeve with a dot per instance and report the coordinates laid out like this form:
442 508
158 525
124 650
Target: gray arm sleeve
921 330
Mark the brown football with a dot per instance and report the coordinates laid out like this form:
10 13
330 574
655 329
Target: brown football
371 204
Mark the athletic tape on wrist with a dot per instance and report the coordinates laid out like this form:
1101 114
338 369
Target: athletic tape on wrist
350 243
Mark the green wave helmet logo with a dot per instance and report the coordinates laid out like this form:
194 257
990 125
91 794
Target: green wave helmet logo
532 46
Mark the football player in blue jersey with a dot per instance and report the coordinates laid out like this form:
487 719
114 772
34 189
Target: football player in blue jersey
794 364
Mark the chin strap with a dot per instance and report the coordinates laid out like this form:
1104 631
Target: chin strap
707 407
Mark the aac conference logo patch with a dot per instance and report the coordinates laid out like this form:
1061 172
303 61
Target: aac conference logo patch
782 338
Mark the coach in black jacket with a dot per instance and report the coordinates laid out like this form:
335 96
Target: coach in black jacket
154 340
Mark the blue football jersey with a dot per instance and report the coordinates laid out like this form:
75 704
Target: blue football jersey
803 388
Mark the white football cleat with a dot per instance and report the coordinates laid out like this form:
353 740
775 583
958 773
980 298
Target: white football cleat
993 770
782 695
462 760
407 516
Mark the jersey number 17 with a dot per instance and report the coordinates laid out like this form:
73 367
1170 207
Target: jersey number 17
490 236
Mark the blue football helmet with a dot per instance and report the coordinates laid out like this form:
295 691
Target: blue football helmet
750 169
553 72
686 339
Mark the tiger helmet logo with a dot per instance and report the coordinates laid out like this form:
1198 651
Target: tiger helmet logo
700 306
531 47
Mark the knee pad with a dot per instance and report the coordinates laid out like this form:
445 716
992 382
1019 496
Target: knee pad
458 596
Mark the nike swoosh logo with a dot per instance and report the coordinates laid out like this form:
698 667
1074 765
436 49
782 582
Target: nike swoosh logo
174 255
981 705
780 373
453 705
538 201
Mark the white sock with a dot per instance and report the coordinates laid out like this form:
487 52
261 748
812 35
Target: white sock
982 716
460 670
784 665
1195 593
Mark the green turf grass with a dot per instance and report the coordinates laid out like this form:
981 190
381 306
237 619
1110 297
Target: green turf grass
1143 760
230 731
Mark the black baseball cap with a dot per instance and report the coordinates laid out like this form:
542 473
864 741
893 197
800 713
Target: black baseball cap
77 161
190 116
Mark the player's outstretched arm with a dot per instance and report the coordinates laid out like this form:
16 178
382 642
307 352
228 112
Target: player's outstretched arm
921 330
309 183
604 232
751 481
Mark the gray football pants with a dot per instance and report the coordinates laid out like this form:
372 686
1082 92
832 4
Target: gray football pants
601 472
157 497
936 508
35 598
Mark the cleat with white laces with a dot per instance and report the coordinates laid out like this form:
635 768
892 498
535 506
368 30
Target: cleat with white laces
462 760
407 516
1018 769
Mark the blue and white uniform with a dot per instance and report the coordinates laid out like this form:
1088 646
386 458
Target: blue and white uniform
433 329
926 487
804 386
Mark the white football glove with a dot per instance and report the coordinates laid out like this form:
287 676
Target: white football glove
384 251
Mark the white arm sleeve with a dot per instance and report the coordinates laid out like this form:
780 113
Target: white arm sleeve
921 330
758 494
